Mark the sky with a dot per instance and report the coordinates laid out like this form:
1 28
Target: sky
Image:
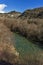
19 5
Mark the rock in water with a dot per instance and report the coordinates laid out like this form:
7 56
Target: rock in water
8 52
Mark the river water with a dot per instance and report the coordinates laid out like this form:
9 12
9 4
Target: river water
26 48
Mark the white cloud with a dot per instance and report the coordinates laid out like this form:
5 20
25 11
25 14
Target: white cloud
2 6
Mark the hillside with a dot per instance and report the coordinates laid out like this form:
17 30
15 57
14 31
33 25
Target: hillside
28 24
11 14
32 13
31 24
14 14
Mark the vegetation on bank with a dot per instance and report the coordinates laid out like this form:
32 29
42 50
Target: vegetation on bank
29 26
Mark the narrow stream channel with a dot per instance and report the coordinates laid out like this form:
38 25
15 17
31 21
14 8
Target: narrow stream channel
26 48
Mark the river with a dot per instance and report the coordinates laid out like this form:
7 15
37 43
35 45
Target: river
26 48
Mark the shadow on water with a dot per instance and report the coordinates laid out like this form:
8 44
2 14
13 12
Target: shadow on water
4 63
39 44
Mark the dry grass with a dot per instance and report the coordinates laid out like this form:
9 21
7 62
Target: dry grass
30 28
8 52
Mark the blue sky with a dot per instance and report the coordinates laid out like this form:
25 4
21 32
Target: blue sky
21 5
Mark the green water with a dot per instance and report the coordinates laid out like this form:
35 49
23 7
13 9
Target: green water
25 47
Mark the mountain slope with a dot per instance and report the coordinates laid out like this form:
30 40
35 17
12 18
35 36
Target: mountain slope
33 13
